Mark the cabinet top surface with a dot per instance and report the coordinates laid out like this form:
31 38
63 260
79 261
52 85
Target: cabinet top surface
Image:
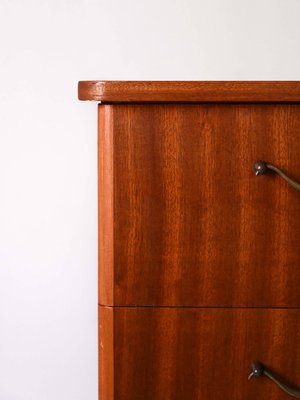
189 91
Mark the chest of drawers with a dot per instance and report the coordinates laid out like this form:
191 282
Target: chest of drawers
199 239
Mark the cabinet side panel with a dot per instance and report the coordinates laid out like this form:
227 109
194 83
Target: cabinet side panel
105 199
106 353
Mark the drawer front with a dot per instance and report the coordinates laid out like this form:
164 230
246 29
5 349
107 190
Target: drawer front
202 354
192 224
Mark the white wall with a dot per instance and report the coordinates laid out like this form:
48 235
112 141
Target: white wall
48 232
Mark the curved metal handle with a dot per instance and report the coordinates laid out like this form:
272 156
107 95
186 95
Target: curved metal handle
259 370
262 168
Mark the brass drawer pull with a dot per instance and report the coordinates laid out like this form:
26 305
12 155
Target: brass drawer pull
262 168
259 370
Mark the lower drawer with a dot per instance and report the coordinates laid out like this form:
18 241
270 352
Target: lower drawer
196 353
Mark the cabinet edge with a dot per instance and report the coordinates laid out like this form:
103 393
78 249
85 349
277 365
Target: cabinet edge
189 91
105 205
106 353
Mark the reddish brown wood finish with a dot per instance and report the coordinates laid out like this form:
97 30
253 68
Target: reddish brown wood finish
189 91
191 236
106 353
202 354
193 225
105 196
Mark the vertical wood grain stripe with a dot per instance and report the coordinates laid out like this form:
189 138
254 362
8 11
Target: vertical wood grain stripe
190 216
105 196
106 353
202 354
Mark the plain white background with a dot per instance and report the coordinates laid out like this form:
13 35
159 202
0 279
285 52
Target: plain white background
48 150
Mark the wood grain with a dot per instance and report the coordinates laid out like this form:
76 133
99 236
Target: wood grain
192 224
198 257
105 198
203 354
189 91
106 353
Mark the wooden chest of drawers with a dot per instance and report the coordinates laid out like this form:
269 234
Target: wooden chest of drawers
199 239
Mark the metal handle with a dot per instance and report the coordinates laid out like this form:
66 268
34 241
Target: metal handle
262 168
259 370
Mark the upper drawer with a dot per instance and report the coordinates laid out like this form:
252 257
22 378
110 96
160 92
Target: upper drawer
184 221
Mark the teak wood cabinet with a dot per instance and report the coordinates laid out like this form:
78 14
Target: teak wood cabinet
199 239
